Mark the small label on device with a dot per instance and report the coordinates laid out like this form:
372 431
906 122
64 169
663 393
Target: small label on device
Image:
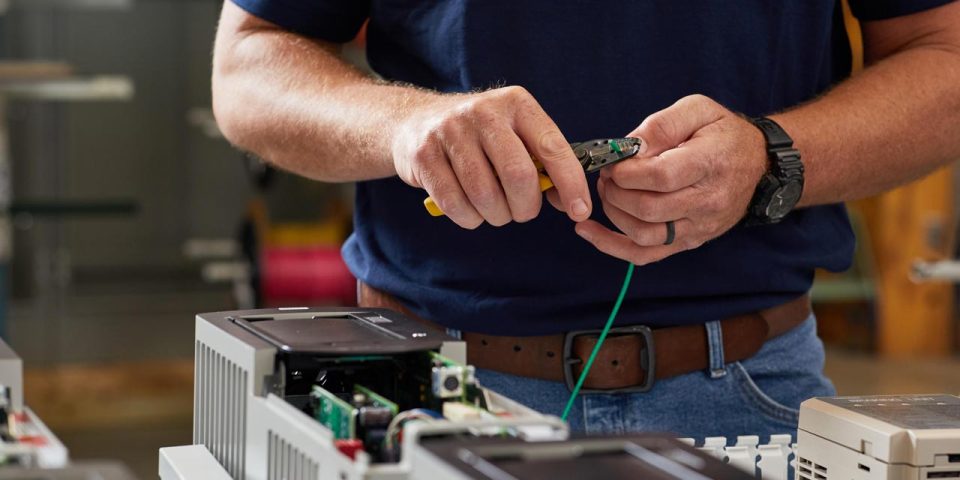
907 411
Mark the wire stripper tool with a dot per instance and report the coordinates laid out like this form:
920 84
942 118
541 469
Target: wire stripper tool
592 154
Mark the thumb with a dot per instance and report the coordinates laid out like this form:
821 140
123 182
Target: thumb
675 124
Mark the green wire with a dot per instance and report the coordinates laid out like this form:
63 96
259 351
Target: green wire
596 348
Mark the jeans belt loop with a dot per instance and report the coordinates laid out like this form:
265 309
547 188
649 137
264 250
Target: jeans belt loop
715 347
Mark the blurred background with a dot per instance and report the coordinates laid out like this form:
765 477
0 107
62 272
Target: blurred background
123 213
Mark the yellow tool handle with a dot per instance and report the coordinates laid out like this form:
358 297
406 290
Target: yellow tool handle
434 209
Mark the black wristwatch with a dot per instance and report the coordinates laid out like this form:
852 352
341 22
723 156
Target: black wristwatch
780 188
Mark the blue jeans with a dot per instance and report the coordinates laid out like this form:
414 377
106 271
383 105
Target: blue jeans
757 396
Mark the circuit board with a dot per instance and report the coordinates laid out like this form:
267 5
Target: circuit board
335 413
376 399
366 400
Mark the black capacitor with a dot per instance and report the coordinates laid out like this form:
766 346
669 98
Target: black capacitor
371 416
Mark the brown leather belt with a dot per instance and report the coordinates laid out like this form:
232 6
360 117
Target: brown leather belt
631 357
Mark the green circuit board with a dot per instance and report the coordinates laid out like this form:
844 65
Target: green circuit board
376 398
335 413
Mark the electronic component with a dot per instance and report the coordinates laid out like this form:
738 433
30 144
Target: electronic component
450 379
349 447
459 412
356 393
24 440
879 437
301 394
447 382
374 416
334 413
377 399
335 386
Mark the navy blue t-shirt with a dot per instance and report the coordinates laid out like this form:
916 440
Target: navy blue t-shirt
598 69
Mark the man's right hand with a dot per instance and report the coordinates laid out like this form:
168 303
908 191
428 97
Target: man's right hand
471 153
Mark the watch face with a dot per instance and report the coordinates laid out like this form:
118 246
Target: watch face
783 200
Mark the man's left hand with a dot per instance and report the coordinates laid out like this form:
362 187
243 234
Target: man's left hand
699 169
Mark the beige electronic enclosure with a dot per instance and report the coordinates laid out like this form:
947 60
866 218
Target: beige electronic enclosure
879 437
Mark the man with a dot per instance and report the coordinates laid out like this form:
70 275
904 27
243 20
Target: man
471 89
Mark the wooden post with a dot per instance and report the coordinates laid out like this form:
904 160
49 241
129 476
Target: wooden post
910 223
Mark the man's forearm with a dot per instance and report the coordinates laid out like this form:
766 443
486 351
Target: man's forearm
894 122
295 103
298 105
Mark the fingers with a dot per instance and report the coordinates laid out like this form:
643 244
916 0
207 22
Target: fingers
674 180
476 178
647 234
641 242
648 206
620 246
483 170
677 123
544 140
442 185
669 171
517 173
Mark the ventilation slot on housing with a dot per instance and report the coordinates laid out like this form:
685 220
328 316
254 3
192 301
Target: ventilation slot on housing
808 470
285 462
219 410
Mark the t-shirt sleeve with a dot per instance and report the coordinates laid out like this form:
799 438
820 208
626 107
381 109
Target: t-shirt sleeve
883 9
331 20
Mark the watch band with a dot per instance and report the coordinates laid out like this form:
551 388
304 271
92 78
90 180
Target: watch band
785 169
773 132
785 161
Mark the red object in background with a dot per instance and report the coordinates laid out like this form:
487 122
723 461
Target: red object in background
349 447
314 275
34 440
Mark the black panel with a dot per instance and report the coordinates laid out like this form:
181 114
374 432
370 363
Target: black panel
339 331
